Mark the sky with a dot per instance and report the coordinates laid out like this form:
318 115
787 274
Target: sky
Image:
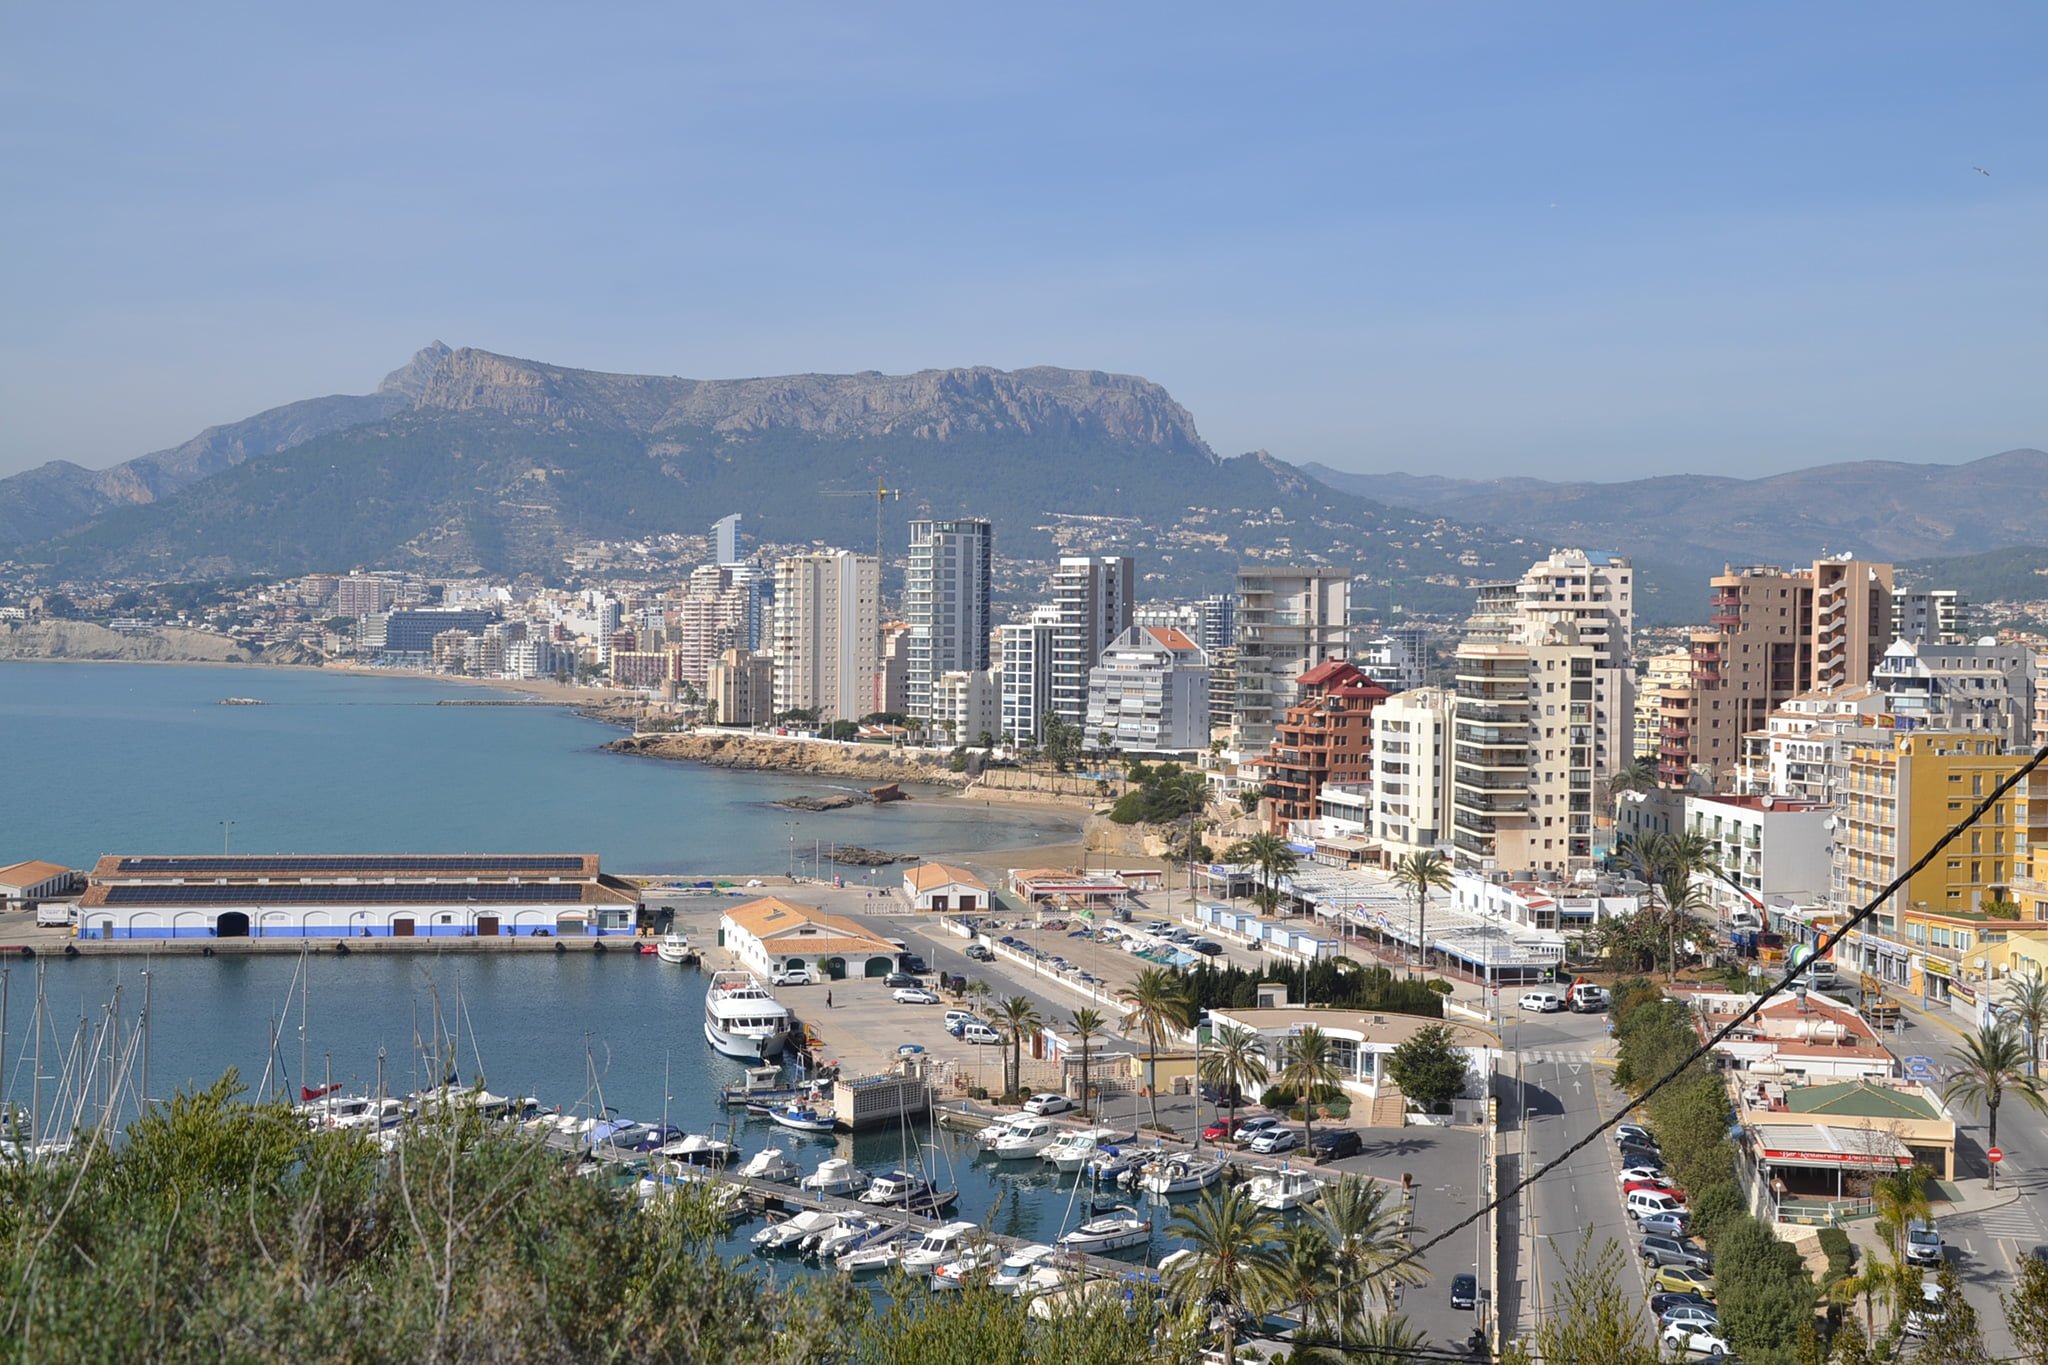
1564 240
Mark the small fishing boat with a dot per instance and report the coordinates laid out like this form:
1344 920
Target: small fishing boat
1181 1174
1072 1151
938 1246
1110 1165
835 1175
791 1233
976 1260
895 1187
675 948
1014 1271
871 1257
850 1235
1284 1190
1000 1129
770 1166
1026 1137
804 1118
699 1149
1117 1231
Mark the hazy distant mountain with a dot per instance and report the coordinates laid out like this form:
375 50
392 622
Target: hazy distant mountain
1880 509
470 461
53 498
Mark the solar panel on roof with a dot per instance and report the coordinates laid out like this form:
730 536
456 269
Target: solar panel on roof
393 864
359 893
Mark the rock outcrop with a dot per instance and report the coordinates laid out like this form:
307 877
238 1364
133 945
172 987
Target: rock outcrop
756 754
86 641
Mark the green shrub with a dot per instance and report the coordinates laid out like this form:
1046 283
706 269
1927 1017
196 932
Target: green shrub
1280 1097
1841 1254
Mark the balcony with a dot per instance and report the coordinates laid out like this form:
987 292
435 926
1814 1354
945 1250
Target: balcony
1725 620
1493 736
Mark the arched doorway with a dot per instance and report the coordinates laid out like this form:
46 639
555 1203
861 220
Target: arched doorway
231 924
835 968
879 966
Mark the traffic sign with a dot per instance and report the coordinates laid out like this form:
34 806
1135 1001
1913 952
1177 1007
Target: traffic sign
1918 1068
1995 1155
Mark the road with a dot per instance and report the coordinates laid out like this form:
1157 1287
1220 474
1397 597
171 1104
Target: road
1566 1086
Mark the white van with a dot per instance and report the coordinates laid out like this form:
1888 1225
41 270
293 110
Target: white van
1542 1002
56 915
1644 1202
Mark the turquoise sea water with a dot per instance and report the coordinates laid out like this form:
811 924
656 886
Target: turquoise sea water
111 758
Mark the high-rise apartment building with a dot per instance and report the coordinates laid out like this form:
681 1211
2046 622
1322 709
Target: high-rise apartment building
1986 688
1397 660
1928 617
1323 738
946 592
1522 750
725 539
1150 693
1289 620
1411 770
1092 595
1027 649
1772 634
742 688
1594 592
827 624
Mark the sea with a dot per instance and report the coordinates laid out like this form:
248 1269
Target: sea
144 759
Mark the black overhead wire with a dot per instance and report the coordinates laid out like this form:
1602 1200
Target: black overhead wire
1706 1048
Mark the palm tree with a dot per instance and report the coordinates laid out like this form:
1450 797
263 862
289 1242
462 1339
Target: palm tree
1419 874
1366 1227
1235 1059
1017 1019
1155 1004
1308 1066
1899 1198
1231 1239
2026 1000
1990 1064
1300 1273
1669 863
1088 1026
1270 854
1367 1339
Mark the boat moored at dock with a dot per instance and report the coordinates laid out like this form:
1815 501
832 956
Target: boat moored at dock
743 1020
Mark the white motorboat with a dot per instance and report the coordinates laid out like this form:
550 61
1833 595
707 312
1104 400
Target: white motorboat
1111 1165
894 1187
1072 1151
674 948
850 1235
835 1175
743 1020
1014 1273
804 1118
1284 1190
1181 1174
790 1233
880 1253
1026 1137
770 1166
939 1246
1115 1231
1000 1129
699 1149
374 1116
979 1260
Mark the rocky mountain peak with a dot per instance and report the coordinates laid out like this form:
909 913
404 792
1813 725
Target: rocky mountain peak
410 379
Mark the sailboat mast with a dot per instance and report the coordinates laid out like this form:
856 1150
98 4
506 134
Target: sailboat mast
142 1101
35 1110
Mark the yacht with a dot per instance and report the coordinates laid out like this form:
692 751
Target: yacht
835 1175
674 948
939 1246
851 1235
804 1118
770 1166
880 1252
1284 1190
791 1233
1072 1151
697 1149
976 1260
1026 1137
1014 1274
1115 1231
1181 1174
742 1020
1113 1165
895 1187
1000 1129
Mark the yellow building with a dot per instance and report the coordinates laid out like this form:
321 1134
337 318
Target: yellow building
1897 803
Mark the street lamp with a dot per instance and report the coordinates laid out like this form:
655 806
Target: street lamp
225 826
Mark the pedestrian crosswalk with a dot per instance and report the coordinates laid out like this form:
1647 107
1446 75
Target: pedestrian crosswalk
1551 1056
2016 1220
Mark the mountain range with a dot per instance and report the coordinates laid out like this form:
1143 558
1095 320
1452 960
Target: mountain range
466 461
1879 509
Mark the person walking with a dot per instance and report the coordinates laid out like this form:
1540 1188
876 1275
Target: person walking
828 1000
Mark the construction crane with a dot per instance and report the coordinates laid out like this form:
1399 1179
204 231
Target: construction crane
880 495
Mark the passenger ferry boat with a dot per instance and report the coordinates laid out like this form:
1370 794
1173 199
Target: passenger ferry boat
742 1020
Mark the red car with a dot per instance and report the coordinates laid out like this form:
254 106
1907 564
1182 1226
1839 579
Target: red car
1656 1187
1216 1131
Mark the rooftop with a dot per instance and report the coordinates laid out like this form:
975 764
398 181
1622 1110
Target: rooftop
771 916
1861 1100
925 876
1370 1025
30 873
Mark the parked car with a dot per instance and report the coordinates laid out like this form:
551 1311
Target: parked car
1334 1144
796 974
1629 1173
1659 1250
1464 1291
1247 1129
1923 1243
1691 1314
895 979
1047 1102
1634 1134
1663 1303
1276 1139
1632 1155
1217 1130
1684 1278
915 995
1920 1319
1677 1224
1659 1185
1699 1340
914 964
978 1032
980 952
1643 1203
1542 1002
1207 947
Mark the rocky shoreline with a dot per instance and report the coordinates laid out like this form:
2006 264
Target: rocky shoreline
752 753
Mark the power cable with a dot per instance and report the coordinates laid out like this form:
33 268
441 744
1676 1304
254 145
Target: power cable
1706 1048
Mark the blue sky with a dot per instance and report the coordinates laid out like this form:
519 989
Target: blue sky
1567 240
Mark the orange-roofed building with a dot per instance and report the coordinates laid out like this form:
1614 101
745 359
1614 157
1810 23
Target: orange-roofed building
771 933
1150 693
1324 737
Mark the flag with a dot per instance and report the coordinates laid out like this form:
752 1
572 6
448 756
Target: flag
314 1092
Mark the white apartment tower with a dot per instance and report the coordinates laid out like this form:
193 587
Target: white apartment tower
1289 619
1093 596
725 539
1594 592
1150 693
1411 770
1027 648
827 624
946 601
